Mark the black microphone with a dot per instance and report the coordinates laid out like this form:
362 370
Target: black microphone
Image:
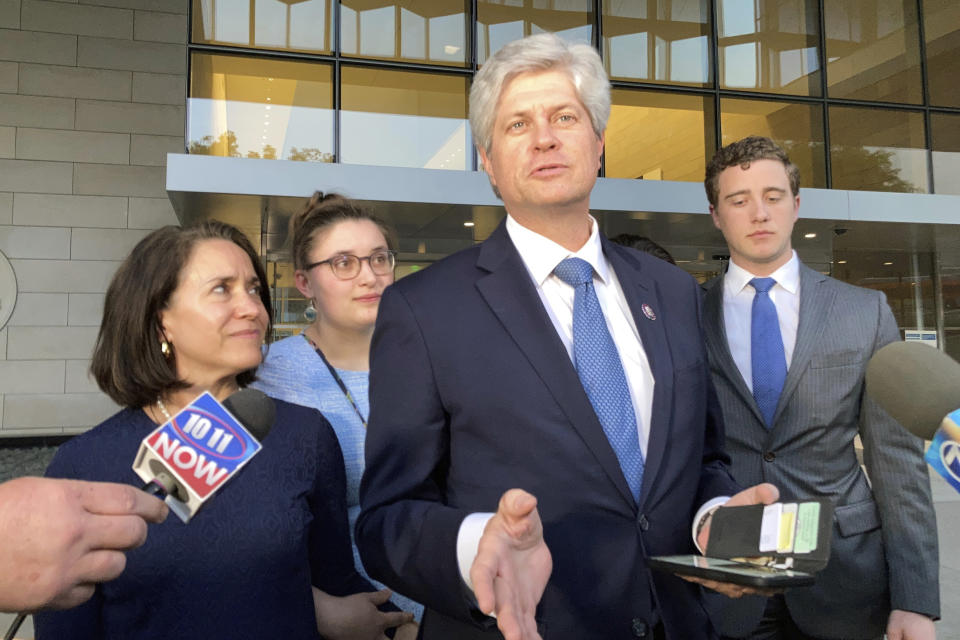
166 464
917 385
254 409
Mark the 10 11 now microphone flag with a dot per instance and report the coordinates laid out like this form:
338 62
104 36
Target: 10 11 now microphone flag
203 446
944 451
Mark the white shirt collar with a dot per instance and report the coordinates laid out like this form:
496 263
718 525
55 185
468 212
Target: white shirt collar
787 276
541 255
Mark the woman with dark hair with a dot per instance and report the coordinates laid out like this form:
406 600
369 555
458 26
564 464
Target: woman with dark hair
344 259
187 312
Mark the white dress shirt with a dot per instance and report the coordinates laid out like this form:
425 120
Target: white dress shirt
737 316
540 256
738 311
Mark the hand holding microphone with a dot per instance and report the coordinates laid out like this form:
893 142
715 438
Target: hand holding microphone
58 538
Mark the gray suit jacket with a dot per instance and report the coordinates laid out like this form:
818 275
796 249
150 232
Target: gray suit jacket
884 548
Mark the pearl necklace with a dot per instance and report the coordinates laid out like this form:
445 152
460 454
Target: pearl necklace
163 410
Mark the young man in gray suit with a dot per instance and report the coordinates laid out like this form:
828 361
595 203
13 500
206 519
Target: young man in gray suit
787 348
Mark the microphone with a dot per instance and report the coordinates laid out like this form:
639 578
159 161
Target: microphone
187 459
917 385
920 388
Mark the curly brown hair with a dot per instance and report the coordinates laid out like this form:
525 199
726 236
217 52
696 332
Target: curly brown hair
742 153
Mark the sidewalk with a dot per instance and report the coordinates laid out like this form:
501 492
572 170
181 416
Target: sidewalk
947 504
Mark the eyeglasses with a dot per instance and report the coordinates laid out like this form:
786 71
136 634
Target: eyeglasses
346 266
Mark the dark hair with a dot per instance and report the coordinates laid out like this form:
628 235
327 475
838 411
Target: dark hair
645 244
742 153
323 211
127 362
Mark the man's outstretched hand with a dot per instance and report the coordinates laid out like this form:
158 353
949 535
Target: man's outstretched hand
512 566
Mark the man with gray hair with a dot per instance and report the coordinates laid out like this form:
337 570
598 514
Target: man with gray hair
542 418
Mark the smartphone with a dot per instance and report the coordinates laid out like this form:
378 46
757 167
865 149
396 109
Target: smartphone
730 571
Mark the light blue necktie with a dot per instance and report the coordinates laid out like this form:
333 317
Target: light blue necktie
767 359
600 370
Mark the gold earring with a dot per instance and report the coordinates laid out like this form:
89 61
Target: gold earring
166 349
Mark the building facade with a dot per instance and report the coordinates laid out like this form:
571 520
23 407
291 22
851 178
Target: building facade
260 102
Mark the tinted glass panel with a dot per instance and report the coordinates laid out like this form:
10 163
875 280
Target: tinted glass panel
260 108
301 25
941 30
946 152
798 128
904 277
770 46
666 41
404 119
503 21
877 150
659 136
873 50
432 31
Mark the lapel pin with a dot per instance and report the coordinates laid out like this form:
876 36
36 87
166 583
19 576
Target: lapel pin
648 311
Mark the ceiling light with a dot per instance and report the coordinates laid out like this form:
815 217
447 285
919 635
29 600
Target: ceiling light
809 235
841 262
887 264
468 223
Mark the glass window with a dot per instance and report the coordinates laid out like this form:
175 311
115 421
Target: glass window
941 30
948 258
873 49
300 25
654 135
798 128
503 21
770 46
945 130
432 31
903 276
425 232
666 41
260 108
877 150
404 119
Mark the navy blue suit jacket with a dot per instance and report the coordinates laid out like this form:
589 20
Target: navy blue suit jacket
472 393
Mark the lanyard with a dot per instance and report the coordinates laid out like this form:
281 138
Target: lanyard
339 381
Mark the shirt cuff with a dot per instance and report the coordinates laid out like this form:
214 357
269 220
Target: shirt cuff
719 501
468 539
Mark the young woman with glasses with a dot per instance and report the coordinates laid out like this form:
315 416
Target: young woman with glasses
343 261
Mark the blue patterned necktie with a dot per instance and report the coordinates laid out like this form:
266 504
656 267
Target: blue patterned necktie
600 370
767 359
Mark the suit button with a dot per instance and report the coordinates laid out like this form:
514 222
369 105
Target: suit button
640 628
769 456
643 522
